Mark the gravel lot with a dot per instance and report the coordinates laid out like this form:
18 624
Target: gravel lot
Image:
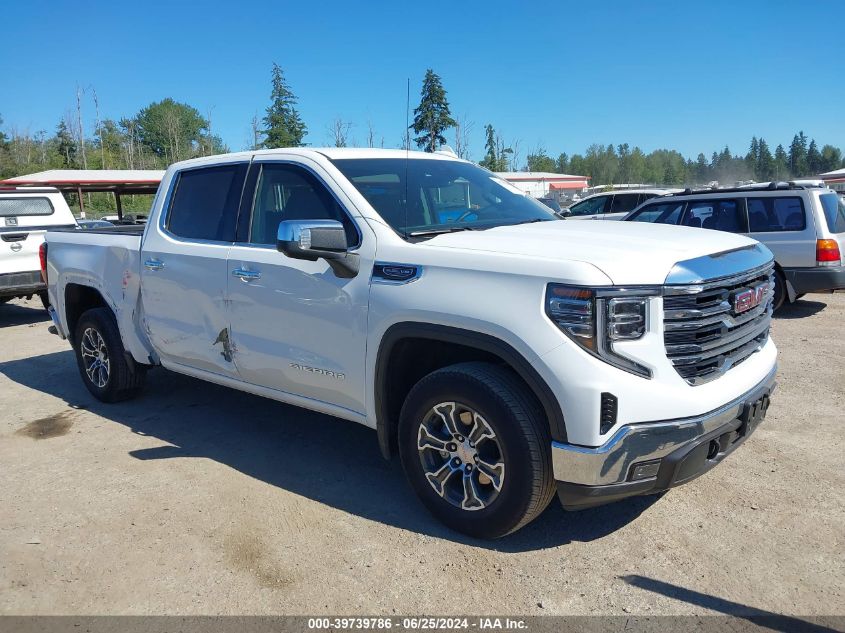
195 499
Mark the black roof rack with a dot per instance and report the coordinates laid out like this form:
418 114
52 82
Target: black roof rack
771 186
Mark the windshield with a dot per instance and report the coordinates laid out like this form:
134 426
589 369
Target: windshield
423 197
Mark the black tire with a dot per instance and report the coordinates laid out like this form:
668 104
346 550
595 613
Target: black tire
124 377
780 291
521 430
45 299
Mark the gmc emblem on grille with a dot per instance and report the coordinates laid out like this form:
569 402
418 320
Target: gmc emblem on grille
745 300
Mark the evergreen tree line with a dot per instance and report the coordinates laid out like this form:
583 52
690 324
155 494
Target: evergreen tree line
621 164
167 131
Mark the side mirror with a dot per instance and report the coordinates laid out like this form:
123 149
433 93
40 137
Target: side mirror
565 213
318 239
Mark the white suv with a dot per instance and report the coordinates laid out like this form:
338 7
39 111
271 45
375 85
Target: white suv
611 205
25 215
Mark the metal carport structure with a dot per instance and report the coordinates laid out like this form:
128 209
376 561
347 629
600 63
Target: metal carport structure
119 182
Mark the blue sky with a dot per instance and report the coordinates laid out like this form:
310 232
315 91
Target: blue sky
680 75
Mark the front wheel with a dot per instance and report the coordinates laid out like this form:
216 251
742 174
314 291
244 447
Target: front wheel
476 449
106 369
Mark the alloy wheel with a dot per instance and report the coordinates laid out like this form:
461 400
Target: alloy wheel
95 357
461 456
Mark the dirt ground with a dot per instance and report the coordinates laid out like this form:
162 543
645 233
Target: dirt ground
195 499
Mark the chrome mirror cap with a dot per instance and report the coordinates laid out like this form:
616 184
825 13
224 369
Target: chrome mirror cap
318 239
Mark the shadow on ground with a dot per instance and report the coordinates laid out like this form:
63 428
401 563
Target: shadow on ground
14 313
760 617
317 456
800 309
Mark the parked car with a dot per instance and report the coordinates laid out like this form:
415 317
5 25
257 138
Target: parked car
804 226
612 205
25 215
501 354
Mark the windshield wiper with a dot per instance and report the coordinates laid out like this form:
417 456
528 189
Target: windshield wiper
451 229
530 221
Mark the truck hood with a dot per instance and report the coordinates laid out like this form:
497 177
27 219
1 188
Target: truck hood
627 252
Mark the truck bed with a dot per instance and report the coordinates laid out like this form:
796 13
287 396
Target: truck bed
107 260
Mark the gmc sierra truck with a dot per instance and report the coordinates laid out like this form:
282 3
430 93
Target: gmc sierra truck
505 355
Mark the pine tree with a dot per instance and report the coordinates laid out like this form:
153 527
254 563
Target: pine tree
66 145
489 160
752 158
495 153
432 117
814 159
702 169
563 164
284 127
798 155
781 163
765 166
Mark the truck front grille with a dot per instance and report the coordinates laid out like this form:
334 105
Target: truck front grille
704 332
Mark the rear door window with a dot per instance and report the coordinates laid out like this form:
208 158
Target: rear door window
719 215
663 213
25 205
205 203
624 202
771 214
834 212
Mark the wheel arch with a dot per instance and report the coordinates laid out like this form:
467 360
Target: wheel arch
445 345
79 298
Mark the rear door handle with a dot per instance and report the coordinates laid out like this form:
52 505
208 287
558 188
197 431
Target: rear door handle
246 275
153 264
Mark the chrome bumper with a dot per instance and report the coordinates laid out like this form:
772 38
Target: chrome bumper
611 463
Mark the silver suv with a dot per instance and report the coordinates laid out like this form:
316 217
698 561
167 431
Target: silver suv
803 226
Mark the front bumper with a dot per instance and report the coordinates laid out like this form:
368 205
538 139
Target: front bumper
21 284
663 454
820 279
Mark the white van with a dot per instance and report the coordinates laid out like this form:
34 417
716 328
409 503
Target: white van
25 215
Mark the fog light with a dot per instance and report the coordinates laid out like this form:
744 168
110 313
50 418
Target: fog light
645 470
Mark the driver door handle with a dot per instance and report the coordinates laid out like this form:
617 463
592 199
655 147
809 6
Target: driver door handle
246 275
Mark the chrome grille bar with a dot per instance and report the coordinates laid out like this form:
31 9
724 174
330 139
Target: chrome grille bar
703 335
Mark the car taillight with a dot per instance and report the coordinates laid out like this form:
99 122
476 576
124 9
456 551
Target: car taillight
827 253
42 255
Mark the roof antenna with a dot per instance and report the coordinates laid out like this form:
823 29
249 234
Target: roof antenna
407 147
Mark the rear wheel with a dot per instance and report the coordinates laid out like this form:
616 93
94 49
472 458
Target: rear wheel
45 299
476 449
106 369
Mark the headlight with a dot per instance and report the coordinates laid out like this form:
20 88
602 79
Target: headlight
597 318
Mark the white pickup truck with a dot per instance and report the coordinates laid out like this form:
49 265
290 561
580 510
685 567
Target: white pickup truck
26 213
503 354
